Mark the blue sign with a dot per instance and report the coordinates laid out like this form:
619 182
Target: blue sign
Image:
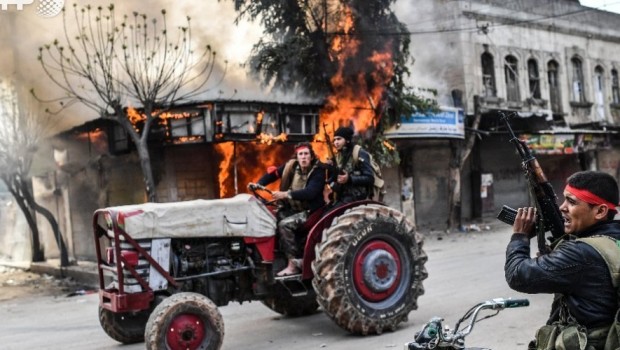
447 123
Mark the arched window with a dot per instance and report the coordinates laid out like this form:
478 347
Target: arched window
488 75
599 92
555 97
511 72
579 94
534 78
615 87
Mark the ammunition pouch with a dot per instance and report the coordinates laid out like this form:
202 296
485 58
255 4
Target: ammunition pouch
571 337
612 341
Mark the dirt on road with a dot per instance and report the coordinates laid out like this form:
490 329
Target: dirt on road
18 283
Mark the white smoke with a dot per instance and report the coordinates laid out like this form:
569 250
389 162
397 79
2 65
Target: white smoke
213 23
428 70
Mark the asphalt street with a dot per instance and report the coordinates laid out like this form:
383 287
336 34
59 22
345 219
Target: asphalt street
464 269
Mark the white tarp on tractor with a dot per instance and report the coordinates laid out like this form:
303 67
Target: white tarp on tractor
242 215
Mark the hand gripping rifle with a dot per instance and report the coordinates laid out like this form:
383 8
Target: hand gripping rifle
550 217
333 171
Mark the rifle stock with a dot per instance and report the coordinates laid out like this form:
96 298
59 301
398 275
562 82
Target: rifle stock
550 218
329 146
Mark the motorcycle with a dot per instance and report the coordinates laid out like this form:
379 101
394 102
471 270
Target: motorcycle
434 336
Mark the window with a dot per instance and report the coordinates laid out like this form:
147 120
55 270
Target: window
186 126
512 79
599 92
554 86
615 87
237 118
301 123
269 124
118 139
534 78
488 75
578 87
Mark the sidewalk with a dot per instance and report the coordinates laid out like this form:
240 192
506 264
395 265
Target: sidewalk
84 272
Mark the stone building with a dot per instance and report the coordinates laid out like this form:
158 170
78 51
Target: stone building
553 64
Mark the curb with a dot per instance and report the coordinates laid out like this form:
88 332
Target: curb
83 272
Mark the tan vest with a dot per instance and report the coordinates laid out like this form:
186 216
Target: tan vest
293 180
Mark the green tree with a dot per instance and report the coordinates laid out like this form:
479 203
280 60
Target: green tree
107 63
309 42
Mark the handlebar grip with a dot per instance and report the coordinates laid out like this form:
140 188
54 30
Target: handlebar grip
516 302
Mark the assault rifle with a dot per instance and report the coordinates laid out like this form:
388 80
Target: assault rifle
549 215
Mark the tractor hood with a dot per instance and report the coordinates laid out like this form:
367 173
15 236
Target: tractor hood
240 216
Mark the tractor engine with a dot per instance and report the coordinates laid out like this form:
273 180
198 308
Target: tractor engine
219 269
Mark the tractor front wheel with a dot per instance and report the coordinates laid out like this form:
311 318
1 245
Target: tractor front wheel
127 328
185 321
368 269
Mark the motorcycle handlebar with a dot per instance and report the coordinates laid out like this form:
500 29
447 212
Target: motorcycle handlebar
433 336
517 302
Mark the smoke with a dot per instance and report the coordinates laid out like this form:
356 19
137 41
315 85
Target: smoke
431 57
213 23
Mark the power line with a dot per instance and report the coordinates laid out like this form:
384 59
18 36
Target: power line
476 28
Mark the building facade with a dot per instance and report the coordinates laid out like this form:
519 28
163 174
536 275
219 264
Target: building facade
551 65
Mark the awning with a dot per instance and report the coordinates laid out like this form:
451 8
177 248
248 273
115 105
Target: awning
567 141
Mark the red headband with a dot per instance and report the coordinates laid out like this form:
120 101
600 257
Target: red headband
590 197
300 147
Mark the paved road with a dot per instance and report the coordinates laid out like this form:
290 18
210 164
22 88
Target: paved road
464 268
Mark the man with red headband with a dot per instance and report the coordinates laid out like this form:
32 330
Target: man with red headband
578 269
301 190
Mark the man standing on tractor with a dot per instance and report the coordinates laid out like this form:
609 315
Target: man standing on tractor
302 180
353 177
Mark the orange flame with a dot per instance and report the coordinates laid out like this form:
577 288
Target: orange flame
246 162
269 139
354 100
134 116
226 150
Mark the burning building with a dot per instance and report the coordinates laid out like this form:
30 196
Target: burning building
480 57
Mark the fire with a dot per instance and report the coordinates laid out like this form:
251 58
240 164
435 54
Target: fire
269 139
355 99
97 139
358 89
245 162
226 150
135 117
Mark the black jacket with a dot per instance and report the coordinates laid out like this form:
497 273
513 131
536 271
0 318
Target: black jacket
574 269
361 176
312 194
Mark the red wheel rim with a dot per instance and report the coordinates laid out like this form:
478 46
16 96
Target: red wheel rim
185 332
376 270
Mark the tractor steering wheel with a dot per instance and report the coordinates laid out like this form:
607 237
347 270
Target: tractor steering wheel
256 189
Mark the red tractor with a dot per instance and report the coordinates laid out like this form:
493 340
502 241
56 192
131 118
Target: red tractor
164 268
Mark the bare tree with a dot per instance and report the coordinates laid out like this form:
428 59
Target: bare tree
23 128
108 64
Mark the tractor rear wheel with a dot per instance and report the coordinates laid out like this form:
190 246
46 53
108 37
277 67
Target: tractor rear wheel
368 269
185 321
127 328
